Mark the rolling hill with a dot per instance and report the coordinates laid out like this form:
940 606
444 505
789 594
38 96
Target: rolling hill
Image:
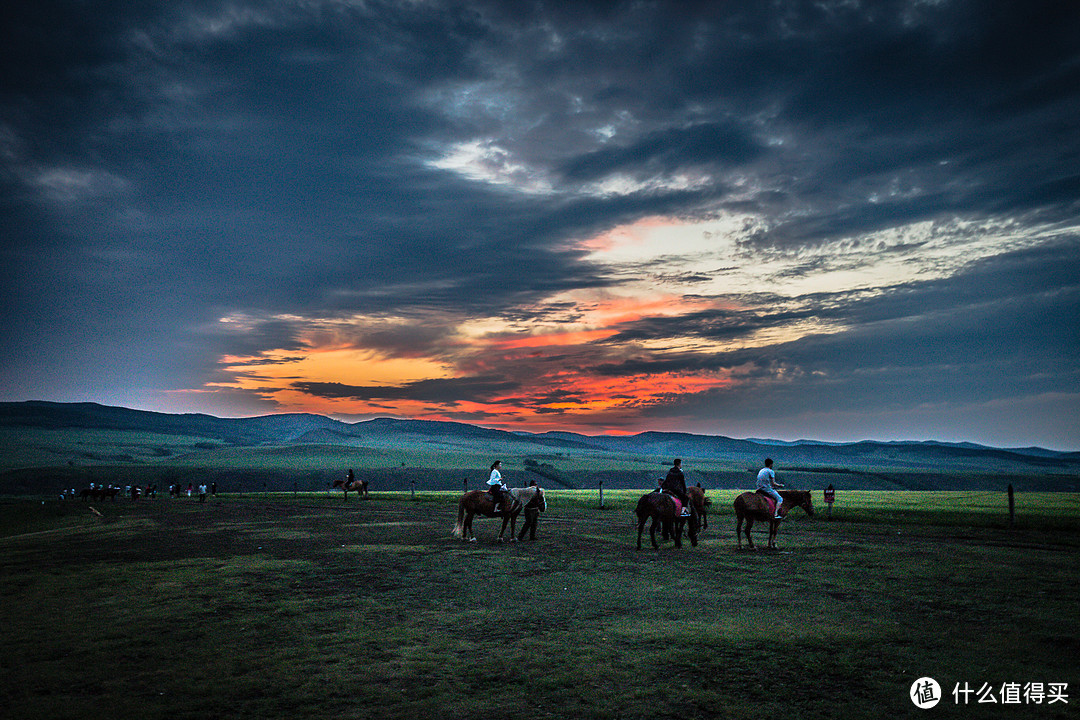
60 440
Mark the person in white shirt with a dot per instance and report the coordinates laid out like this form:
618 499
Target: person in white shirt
495 484
766 483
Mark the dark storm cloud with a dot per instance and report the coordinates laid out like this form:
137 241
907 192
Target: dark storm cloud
450 391
668 151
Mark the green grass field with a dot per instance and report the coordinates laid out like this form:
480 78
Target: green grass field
284 605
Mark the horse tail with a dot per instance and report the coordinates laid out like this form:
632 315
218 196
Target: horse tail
643 508
459 528
740 506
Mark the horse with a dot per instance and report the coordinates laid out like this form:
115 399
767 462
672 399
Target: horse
751 506
700 502
664 509
360 486
480 502
100 493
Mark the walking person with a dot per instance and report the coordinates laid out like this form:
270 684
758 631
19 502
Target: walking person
532 518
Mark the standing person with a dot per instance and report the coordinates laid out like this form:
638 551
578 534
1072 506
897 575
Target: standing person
202 493
532 517
495 484
767 484
675 483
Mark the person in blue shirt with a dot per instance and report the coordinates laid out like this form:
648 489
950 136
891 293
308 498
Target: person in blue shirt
767 484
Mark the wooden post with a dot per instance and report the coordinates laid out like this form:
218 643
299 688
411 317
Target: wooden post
412 486
601 494
465 484
1012 507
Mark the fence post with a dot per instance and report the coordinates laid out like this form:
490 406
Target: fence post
601 494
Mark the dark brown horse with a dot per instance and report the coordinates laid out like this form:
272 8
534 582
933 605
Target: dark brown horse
751 506
661 507
360 486
700 503
480 502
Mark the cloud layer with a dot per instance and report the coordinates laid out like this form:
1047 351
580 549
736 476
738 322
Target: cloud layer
821 219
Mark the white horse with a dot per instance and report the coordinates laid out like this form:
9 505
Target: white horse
480 502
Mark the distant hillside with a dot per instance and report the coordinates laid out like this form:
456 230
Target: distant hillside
69 436
91 416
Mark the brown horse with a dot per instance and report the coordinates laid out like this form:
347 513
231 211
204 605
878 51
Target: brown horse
360 486
480 502
700 502
660 506
751 506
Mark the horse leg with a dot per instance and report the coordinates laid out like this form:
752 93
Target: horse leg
676 530
652 533
738 532
640 528
773 527
513 525
749 538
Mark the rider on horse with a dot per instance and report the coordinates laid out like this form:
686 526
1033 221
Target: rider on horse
767 484
495 484
675 484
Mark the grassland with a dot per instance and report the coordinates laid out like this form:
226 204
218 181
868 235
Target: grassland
297 605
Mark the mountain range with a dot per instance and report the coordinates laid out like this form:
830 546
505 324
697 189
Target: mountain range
317 430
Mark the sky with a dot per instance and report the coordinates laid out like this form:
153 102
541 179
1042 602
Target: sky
834 220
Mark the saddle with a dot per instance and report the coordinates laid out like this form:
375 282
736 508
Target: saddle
503 503
680 509
769 500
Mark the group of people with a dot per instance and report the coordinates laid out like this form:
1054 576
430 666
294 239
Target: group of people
98 491
674 483
175 490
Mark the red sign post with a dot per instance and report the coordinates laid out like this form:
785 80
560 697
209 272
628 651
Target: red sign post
830 498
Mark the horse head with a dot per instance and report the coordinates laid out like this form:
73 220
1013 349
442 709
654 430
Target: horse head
806 502
538 501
